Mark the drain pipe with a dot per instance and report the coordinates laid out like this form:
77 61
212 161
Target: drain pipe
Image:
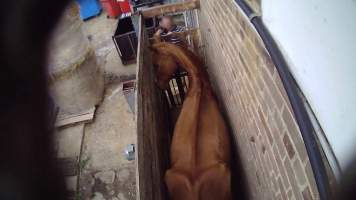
301 115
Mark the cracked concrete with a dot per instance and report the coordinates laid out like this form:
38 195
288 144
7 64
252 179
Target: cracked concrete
106 177
118 189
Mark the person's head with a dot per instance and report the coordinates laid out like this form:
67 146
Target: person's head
167 22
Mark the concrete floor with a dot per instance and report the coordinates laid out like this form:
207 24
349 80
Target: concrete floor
104 171
100 31
107 173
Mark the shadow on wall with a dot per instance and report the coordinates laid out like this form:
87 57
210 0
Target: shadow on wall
239 182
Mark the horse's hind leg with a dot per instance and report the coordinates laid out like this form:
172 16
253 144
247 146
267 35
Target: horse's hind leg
215 183
179 185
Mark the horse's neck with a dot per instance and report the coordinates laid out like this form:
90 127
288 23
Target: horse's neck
156 38
188 63
193 67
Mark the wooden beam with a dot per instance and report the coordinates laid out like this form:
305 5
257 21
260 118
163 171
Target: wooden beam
182 34
152 146
86 116
185 33
169 8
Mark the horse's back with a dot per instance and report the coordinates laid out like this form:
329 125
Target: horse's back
213 144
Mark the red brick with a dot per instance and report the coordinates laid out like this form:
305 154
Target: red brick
268 61
299 172
275 185
244 65
288 145
306 194
272 88
282 189
260 83
279 197
290 194
273 162
280 166
269 164
264 104
279 121
280 146
311 180
276 133
293 132
291 178
264 123
269 100
258 179
261 128
242 34
252 92
281 88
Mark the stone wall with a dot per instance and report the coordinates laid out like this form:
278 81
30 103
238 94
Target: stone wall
271 148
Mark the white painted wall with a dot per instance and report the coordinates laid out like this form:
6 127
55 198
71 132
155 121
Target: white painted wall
318 39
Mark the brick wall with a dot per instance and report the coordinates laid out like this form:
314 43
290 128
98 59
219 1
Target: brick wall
255 5
272 151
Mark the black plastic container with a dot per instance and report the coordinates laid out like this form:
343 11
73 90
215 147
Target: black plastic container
125 40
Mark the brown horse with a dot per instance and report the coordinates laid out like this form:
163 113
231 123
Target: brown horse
200 151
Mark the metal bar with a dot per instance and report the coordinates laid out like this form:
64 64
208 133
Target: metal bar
172 88
180 88
170 96
117 46
168 99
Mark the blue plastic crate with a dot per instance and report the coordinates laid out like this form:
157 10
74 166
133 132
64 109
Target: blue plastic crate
89 8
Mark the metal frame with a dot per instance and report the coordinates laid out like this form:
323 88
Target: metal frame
133 47
178 87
